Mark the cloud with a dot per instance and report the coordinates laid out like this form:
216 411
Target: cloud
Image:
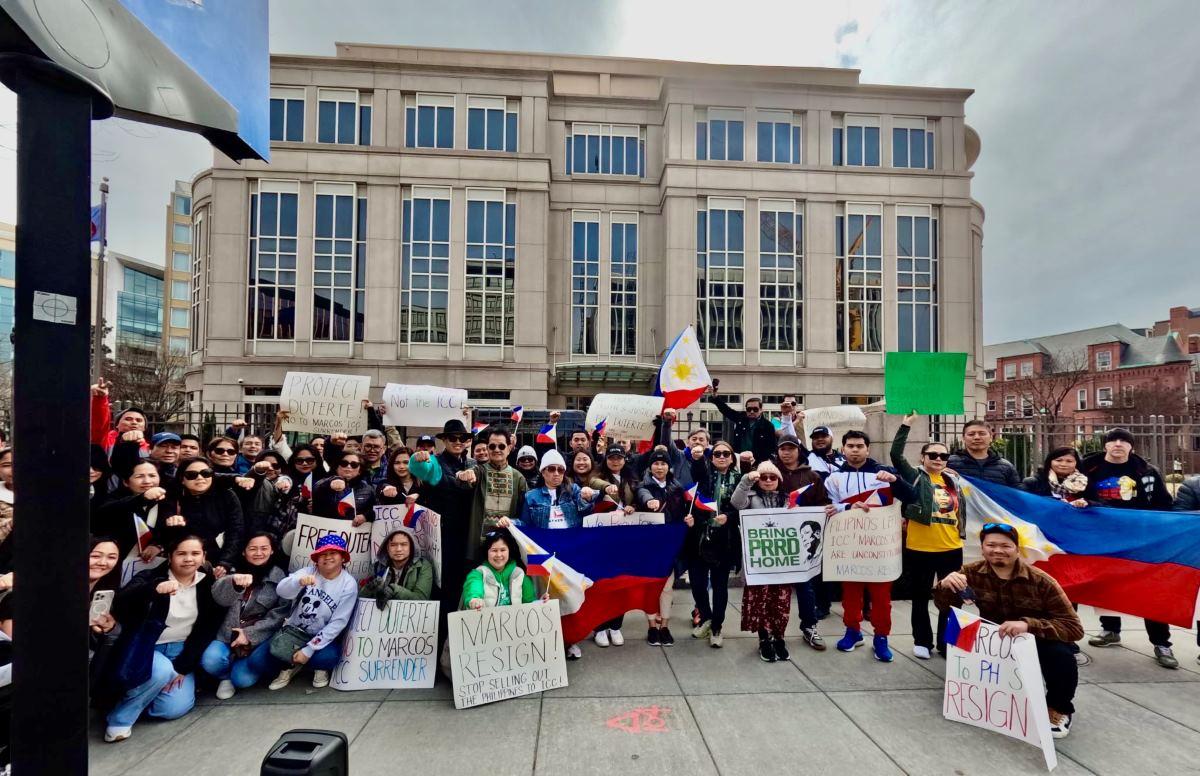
842 31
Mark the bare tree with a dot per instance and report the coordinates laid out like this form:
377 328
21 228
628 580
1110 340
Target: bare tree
1157 398
1048 390
151 378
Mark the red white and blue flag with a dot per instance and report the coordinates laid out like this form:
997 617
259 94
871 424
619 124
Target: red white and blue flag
306 487
97 225
794 497
414 513
346 506
548 434
961 636
601 425
683 377
478 426
606 503
698 500
535 564
517 414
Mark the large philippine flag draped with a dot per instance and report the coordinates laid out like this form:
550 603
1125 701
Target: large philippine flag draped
1141 563
599 573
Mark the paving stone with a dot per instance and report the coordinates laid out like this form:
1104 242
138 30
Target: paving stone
735 668
1112 735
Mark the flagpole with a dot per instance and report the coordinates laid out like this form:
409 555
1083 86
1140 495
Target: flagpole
98 328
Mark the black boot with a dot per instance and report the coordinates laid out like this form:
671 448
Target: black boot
766 648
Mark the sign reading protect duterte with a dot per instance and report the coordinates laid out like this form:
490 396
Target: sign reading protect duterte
319 403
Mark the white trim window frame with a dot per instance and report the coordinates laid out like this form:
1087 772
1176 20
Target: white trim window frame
912 143
781 275
340 107
427 220
721 135
335 261
721 263
199 246
271 297
1026 369
429 120
917 278
1081 399
1103 360
606 149
861 141
622 283
288 102
490 272
1104 397
585 282
1010 371
492 124
864 277
784 135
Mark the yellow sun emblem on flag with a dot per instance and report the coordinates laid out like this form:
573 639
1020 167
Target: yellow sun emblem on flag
683 369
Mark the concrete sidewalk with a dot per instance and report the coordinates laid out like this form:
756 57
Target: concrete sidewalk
698 710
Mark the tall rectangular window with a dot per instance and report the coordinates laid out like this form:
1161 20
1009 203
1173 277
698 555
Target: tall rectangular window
179 315
864 278
622 284
779 137
425 265
1103 360
721 263
287 114
585 281
861 139
492 124
364 119
272 280
912 143
781 275
720 134
339 244
916 278
198 285
179 290
429 121
606 149
491 267
181 233
839 276
337 116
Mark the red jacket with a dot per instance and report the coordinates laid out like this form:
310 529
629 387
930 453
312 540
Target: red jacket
103 434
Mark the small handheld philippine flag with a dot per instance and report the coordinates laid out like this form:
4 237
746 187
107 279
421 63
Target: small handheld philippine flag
959 635
794 496
535 565
603 424
548 434
693 495
517 414
346 506
306 487
413 515
478 426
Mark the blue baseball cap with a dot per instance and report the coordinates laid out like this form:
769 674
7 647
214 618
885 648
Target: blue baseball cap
164 436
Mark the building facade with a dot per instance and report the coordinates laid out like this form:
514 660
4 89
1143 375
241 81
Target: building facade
177 273
1184 323
133 304
538 228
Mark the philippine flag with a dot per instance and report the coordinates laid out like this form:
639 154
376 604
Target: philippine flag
346 506
606 504
536 565
960 635
601 425
144 536
683 377
517 414
548 434
693 495
794 497
413 515
97 227
478 426
306 487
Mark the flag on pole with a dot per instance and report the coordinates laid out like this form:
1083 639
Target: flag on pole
98 224
601 425
959 635
144 537
548 434
478 426
346 506
306 487
517 414
683 377
535 565
415 511
794 496
693 495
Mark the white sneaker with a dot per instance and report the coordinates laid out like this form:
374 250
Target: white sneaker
225 690
922 652
283 680
703 630
320 679
616 638
114 734
601 638
574 652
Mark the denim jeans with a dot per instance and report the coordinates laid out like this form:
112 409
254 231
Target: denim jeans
262 663
149 696
218 661
806 603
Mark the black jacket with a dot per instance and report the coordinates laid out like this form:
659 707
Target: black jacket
138 600
757 435
993 468
1187 499
115 516
325 500
1149 490
209 515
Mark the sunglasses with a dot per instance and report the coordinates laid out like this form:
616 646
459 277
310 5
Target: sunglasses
303 460
522 460
273 466
754 409
195 474
555 470
938 456
224 451
459 438
767 477
497 447
1002 527
349 465
722 454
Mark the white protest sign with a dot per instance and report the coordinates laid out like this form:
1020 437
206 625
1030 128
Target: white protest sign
781 546
996 684
391 649
324 403
309 530
502 652
427 530
618 517
839 420
425 406
863 546
625 416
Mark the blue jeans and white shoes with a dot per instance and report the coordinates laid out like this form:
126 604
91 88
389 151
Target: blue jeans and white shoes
149 696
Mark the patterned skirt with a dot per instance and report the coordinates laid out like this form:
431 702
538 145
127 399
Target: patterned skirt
765 607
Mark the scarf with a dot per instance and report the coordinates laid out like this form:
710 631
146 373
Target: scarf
1068 489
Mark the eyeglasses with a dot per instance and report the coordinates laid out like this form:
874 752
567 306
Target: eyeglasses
555 470
349 465
224 451
304 460
497 447
767 477
938 456
459 438
722 454
195 474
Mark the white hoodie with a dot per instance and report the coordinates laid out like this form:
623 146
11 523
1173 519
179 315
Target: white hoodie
324 609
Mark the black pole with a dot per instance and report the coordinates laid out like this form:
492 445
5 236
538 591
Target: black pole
50 418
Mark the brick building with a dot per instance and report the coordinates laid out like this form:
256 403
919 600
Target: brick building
1184 322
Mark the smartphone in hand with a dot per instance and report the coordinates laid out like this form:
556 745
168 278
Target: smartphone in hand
101 603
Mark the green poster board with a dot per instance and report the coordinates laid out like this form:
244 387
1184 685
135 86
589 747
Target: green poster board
929 383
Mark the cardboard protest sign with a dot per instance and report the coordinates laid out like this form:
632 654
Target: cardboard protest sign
427 528
624 416
781 546
995 682
503 652
425 406
863 546
838 420
620 518
393 649
310 528
928 383
324 403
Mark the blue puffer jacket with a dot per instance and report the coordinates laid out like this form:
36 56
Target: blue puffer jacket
536 510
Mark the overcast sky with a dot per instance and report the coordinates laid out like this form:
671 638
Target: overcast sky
1088 114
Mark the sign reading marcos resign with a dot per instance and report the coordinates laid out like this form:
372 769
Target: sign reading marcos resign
863 546
781 546
310 529
424 406
503 652
323 403
392 649
995 682
625 417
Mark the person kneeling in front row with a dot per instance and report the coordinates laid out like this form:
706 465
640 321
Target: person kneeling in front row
1023 599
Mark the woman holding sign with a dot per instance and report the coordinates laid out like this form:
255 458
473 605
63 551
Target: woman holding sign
500 578
765 608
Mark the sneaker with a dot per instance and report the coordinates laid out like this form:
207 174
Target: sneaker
1165 657
574 652
615 637
703 630
766 650
225 690
114 734
781 650
652 637
1083 659
283 680
851 640
715 640
922 652
813 639
665 638
601 638
883 653
1105 639
1060 724
320 679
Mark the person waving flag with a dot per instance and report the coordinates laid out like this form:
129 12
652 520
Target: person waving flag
346 506
517 414
548 434
693 495
683 377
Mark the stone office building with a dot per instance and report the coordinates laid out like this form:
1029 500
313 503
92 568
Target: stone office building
538 228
